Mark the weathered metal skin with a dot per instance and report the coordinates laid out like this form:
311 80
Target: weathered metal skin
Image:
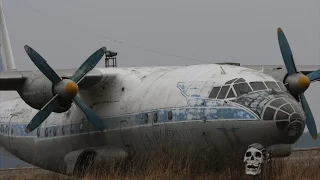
143 108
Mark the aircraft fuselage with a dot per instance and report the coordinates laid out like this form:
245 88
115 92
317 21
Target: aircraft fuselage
144 108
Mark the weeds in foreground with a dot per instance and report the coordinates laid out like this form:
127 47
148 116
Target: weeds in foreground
186 165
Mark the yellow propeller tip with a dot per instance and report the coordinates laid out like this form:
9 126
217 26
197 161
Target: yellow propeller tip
315 136
279 30
72 88
27 130
304 82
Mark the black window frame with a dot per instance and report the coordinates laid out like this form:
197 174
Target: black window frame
231 90
272 82
240 80
237 89
213 94
146 118
282 86
231 81
259 88
155 117
227 87
170 115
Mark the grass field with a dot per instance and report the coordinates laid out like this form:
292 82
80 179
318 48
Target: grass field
299 165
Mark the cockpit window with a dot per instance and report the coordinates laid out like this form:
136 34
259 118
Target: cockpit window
231 94
231 81
269 113
214 92
282 87
278 102
256 86
282 116
223 92
287 108
240 80
272 85
242 88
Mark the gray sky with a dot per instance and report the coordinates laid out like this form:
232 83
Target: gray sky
67 32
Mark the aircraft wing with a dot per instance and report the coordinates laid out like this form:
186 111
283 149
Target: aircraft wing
13 80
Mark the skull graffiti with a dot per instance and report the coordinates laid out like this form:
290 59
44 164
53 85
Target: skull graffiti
253 159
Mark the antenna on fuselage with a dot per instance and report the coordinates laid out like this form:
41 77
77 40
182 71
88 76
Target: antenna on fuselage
222 70
262 70
111 56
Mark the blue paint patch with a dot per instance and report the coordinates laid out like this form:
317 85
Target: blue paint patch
203 110
195 102
239 114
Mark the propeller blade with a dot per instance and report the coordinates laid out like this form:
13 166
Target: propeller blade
88 65
309 117
315 75
286 53
41 63
91 115
42 115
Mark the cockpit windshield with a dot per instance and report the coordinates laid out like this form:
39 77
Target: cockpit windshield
238 86
257 86
242 88
214 92
272 85
223 92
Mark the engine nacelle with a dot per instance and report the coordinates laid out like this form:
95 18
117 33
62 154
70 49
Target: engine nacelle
280 150
38 92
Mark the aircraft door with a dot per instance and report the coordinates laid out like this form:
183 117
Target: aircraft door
11 132
159 134
126 133
75 129
146 131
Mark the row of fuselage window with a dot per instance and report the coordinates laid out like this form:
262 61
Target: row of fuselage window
240 88
74 128
50 131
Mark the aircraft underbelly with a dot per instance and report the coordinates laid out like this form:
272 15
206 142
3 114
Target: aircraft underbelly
218 134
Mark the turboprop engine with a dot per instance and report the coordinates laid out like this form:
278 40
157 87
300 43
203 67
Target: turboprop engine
51 93
37 92
297 83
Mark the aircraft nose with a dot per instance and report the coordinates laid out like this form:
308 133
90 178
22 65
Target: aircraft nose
288 115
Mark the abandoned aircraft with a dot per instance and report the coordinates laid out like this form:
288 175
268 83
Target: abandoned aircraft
63 115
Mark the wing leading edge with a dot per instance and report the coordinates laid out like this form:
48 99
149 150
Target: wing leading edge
13 80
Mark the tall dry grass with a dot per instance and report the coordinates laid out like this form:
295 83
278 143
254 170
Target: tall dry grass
186 165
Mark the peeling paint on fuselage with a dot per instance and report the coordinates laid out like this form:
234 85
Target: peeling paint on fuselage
128 104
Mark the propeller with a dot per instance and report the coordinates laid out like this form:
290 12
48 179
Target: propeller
65 90
297 82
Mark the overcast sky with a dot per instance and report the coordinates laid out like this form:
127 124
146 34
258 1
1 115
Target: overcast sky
166 32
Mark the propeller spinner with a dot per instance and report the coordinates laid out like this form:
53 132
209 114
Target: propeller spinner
297 82
64 89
